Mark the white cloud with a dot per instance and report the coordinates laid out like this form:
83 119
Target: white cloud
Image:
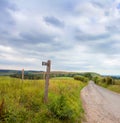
6 49
87 40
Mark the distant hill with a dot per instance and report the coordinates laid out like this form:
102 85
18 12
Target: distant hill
12 72
93 74
7 72
32 74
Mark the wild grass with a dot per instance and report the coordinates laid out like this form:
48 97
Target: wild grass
23 101
115 88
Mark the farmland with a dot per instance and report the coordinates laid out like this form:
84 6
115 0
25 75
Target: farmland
23 101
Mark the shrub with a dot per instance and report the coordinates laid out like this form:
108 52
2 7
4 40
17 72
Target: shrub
88 75
60 109
107 80
97 79
81 78
14 115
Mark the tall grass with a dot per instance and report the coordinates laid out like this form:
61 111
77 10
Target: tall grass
23 101
115 88
113 85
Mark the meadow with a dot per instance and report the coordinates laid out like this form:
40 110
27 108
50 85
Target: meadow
109 83
115 88
22 101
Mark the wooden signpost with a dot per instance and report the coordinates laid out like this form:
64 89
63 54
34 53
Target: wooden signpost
48 64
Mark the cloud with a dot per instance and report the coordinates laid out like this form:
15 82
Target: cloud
6 19
54 21
106 48
118 6
37 38
87 37
6 49
75 35
102 3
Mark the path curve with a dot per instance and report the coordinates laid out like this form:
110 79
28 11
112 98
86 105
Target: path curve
100 104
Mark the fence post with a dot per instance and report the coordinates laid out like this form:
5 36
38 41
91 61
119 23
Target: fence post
22 75
48 64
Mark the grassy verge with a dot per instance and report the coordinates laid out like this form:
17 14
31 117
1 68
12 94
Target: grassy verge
115 88
23 101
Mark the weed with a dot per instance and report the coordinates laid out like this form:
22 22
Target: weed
23 102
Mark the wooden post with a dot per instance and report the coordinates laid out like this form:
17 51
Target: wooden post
22 74
48 64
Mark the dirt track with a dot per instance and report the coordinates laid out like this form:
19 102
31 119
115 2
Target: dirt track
100 105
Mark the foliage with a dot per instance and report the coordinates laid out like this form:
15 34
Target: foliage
108 82
23 101
81 78
115 88
35 75
29 76
60 109
88 75
96 79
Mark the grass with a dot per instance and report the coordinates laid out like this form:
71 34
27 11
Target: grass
115 88
63 78
23 101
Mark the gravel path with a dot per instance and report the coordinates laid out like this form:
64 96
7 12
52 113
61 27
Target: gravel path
100 104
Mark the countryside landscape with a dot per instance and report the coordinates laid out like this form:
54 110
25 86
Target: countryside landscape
22 101
59 61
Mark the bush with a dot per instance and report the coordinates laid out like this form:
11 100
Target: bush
13 116
88 75
60 109
81 78
107 80
97 79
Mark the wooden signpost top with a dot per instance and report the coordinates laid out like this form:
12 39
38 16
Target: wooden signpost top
48 64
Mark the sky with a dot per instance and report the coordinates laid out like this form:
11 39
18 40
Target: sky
76 35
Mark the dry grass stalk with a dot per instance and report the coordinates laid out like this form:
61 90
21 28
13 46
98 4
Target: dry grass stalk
1 108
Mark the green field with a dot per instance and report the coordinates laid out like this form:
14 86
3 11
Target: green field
23 101
115 88
111 84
